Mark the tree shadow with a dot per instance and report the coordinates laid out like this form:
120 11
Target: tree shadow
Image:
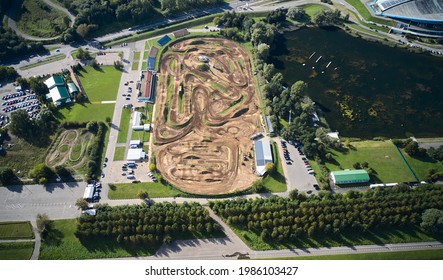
51 235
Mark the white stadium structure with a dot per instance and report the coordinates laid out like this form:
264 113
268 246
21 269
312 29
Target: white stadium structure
423 17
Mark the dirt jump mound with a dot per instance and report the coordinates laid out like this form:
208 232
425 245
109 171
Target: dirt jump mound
207 110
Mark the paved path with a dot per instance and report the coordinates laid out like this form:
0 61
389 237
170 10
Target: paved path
37 241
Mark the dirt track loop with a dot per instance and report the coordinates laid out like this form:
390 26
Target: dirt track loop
206 116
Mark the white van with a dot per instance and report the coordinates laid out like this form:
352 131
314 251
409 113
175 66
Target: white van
131 177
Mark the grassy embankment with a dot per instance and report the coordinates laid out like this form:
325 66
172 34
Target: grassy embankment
277 181
36 18
47 60
61 244
379 236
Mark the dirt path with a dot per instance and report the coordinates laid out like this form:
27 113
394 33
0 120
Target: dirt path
208 109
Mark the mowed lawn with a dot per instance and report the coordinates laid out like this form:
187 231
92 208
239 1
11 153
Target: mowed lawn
421 166
99 85
124 125
275 182
16 250
382 156
130 190
60 243
16 230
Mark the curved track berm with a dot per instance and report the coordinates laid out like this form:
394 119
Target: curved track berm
206 116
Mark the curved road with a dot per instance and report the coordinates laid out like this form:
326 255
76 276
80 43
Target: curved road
12 24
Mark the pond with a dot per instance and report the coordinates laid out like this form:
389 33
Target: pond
365 89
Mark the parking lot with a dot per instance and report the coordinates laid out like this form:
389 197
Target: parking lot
299 173
12 100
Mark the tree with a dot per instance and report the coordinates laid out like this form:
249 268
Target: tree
328 17
21 125
432 220
143 195
118 65
6 175
152 167
258 186
293 194
414 150
270 168
92 126
262 52
41 171
356 165
108 120
298 14
42 221
82 204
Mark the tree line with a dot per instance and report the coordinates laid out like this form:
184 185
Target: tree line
147 224
324 214
92 15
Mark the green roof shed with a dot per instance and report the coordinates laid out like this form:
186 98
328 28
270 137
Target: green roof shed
350 176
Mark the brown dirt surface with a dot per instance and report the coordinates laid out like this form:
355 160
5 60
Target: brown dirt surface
61 152
205 118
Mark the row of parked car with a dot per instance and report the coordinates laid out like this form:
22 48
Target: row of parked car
21 100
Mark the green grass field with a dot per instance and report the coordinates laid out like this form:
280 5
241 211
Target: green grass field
379 236
16 250
313 9
99 85
119 153
382 156
421 166
136 56
129 190
134 66
364 12
277 181
19 151
404 255
140 135
61 244
124 125
16 230
36 18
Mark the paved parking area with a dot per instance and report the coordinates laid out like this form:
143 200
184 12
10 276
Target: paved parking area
23 203
297 176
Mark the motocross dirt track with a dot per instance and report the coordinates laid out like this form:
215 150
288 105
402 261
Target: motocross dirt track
206 116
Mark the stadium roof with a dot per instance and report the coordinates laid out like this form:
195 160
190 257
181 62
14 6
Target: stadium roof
59 95
263 155
350 176
429 11
54 81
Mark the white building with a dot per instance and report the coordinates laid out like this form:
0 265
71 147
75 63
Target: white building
263 155
135 155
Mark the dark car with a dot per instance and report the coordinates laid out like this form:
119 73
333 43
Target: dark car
316 187
136 181
106 159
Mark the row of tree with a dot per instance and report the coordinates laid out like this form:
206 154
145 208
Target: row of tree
324 214
11 45
148 224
